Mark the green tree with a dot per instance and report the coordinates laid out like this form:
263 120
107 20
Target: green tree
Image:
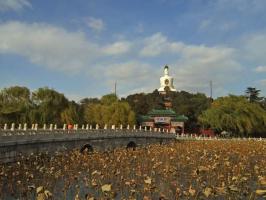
253 94
15 104
70 115
109 99
49 104
110 111
235 114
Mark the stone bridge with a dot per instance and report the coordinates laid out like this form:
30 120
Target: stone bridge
14 143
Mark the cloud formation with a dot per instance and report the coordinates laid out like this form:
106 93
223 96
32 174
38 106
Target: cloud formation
15 5
117 48
129 62
260 69
95 24
47 45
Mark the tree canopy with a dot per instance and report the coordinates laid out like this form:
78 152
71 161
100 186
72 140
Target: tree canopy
235 114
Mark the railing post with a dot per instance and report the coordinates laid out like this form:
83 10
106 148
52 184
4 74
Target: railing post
140 128
145 128
97 126
134 127
5 126
44 126
32 126
25 127
51 127
36 127
128 127
121 127
91 127
87 126
19 127
113 127
12 127
105 127
82 127
64 127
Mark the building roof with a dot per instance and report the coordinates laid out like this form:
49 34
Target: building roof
180 118
161 112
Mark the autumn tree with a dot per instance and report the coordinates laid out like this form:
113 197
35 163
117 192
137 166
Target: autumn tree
49 105
235 114
15 104
110 111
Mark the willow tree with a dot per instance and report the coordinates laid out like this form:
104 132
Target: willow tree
49 104
110 111
235 114
15 104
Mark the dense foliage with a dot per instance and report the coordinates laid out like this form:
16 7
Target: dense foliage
241 115
184 103
235 114
45 106
109 111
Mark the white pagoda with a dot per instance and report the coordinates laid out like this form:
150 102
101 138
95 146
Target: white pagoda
166 82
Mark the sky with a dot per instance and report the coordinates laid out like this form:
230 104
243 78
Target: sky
82 47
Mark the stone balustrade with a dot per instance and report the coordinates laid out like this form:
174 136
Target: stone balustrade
13 129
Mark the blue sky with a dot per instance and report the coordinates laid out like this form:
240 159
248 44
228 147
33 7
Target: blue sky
81 47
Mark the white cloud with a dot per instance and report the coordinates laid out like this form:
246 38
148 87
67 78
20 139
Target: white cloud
158 44
131 76
15 5
193 66
95 24
200 64
262 82
117 48
260 69
47 45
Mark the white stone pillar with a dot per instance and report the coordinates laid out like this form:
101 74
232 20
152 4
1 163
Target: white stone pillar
140 128
145 129
91 127
5 126
128 127
25 127
51 127
87 126
32 126
64 127
44 127
105 126
19 127
12 127
97 126
36 127
134 127
121 127
82 127
113 127
55 127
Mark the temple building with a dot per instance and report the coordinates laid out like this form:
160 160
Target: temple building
165 118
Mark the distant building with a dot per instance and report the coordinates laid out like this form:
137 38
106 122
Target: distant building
165 118
166 81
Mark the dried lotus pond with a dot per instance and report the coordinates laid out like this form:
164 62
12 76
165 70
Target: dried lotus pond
222 169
